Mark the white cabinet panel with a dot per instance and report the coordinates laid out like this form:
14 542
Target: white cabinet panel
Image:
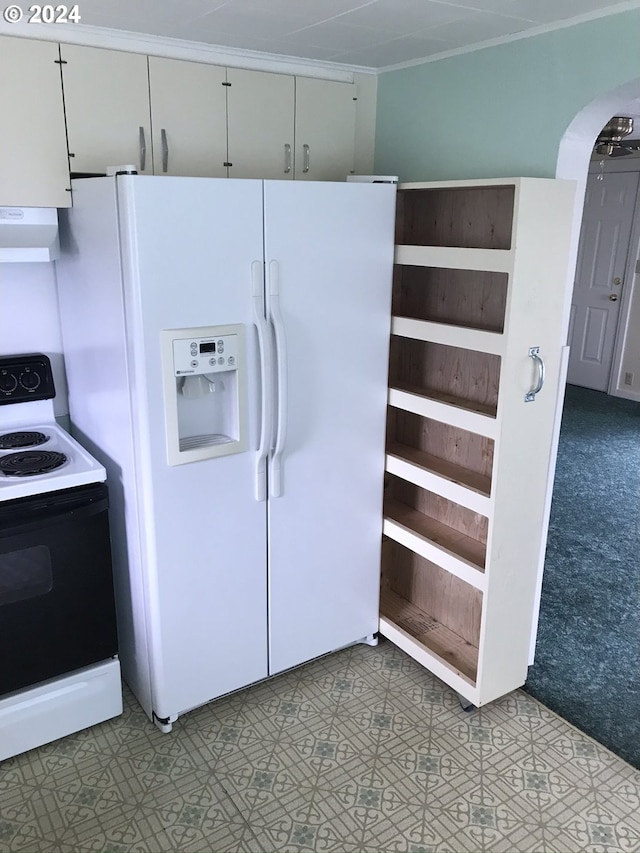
325 129
260 116
34 170
188 117
106 96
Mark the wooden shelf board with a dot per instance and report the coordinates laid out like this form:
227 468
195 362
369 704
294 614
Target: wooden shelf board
470 553
488 260
449 400
448 334
455 653
419 404
466 481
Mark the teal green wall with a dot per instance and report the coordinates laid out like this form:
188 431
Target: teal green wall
503 110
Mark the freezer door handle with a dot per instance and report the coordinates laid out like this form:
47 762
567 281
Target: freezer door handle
264 346
275 317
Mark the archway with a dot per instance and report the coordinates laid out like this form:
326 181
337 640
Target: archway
574 154
573 163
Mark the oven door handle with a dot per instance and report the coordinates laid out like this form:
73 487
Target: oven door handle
38 518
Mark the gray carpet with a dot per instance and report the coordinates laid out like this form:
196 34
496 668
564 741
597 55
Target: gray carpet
587 666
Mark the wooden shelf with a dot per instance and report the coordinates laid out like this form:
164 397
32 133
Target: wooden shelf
483 260
448 335
455 652
448 399
445 478
469 299
455 551
479 217
451 377
413 400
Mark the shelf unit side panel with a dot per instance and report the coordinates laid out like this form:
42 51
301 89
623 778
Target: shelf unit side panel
542 228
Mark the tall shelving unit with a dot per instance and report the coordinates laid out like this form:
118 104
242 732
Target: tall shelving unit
479 283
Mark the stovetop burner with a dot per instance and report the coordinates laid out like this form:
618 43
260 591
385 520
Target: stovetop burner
31 462
12 440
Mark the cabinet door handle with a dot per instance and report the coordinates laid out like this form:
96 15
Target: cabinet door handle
287 158
143 149
165 150
534 353
306 158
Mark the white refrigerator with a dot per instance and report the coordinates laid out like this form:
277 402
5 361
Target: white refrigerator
226 347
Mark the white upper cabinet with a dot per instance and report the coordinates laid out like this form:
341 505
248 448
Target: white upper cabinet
188 117
106 96
260 124
325 129
34 170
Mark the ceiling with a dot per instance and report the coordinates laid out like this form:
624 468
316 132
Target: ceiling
366 33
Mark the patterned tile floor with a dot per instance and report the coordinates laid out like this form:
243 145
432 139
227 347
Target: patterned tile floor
359 751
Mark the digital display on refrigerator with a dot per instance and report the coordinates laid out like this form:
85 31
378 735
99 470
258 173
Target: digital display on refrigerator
207 346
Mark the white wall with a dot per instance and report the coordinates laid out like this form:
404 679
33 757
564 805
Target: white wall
29 319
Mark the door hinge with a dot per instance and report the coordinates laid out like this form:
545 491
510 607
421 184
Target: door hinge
60 62
227 164
71 155
226 84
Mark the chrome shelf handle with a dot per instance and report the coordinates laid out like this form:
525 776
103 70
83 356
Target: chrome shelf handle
143 149
306 158
165 150
287 158
534 353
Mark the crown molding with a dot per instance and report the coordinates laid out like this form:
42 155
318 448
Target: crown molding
193 51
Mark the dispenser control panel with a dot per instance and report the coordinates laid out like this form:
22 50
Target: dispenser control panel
192 356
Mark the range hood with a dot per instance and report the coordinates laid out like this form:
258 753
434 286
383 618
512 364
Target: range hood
28 234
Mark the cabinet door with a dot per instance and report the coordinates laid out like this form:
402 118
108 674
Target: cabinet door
325 129
34 170
106 95
260 115
188 118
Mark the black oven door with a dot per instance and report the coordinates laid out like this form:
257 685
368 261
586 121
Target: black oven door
57 610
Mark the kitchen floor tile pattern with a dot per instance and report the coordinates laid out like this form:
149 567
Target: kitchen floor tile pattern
359 751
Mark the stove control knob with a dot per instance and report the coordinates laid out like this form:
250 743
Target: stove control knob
8 382
29 379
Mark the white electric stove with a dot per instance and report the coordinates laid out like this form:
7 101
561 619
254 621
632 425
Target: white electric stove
41 457
58 638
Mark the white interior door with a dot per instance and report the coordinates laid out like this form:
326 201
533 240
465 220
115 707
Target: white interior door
329 254
602 254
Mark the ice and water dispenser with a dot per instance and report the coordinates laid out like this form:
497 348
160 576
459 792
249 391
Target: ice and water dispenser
205 395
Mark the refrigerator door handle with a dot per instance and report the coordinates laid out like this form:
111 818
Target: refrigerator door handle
264 345
275 317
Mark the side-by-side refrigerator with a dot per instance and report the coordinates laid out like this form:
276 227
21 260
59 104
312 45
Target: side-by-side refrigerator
226 346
